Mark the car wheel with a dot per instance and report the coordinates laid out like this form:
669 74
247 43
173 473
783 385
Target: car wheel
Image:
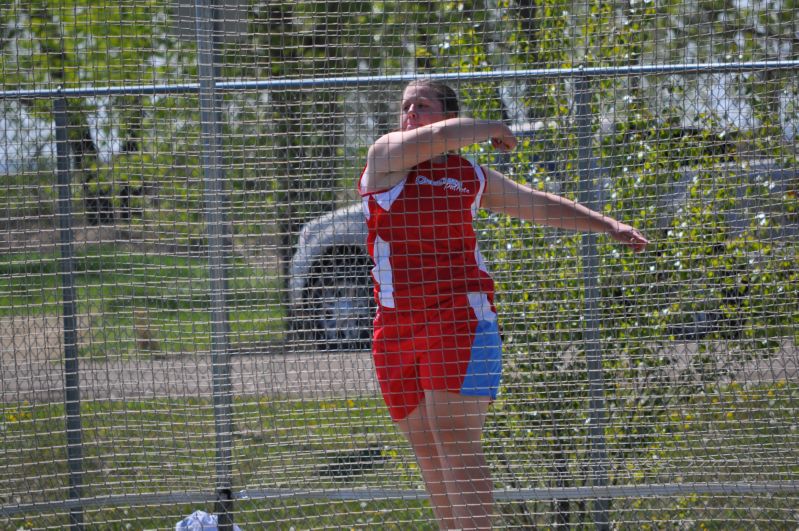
339 301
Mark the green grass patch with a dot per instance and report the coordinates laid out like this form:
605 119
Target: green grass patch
141 304
168 446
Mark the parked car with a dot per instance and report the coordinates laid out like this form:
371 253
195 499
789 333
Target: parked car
330 286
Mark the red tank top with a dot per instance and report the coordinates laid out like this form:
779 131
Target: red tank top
421 237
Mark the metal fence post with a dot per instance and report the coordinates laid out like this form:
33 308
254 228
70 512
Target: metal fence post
218 234
590 197
71 366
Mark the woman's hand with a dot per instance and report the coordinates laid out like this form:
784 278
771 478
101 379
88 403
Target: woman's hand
505 140
627 235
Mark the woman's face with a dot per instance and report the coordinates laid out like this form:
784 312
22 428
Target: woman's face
420 106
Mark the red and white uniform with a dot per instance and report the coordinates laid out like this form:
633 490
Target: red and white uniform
435 327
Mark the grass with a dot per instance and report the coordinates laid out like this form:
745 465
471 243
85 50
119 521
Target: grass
140 304
168 446
157 446
733 433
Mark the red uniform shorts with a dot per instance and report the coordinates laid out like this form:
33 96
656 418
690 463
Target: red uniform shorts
456 349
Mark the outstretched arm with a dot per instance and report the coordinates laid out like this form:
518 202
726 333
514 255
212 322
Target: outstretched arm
394 154
505 196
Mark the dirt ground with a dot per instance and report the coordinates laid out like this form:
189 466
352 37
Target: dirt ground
31 369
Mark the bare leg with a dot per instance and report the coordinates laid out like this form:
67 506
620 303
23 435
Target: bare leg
417 430
457 424
445 432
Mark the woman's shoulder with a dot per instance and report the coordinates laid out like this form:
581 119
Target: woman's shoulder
371 183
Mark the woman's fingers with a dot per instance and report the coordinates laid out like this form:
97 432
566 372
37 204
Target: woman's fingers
506 143
630 237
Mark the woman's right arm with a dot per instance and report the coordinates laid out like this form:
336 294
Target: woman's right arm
394 154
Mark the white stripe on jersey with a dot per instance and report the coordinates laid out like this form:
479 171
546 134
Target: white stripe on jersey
383 274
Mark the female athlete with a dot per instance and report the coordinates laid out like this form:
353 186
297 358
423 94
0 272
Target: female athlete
436 345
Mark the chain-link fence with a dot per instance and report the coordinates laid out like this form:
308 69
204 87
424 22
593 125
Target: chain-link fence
186 302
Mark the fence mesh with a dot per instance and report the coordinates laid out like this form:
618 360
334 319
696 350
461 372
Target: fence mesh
186 301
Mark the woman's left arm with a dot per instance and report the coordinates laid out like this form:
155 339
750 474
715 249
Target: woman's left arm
505 196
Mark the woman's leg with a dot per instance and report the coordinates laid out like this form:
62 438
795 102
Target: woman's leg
456 422
445 433
417 430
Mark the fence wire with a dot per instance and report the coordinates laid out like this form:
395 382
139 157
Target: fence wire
186 301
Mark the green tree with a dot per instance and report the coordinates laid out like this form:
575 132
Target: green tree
74 44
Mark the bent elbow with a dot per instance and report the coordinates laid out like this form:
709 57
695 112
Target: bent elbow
377 158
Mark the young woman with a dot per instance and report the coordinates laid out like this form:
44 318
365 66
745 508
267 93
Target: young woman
436 345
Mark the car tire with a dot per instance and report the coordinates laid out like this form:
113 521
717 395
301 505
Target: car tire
338 305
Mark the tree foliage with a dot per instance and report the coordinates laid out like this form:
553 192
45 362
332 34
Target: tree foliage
78 44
